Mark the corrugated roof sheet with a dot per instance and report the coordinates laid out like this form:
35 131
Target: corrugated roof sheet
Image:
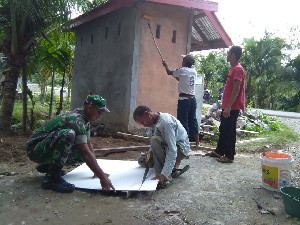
205 34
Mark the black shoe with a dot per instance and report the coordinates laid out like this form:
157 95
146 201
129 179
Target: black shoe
57 184
44 168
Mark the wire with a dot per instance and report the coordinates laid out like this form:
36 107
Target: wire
259 206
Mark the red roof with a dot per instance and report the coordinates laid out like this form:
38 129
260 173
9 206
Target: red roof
207 30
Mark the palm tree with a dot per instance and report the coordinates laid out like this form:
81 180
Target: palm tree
262 61
22 23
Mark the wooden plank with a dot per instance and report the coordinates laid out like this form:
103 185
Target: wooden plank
209 133
206 125
133 136
107 151
202 148
251 140
197 153
238 130
247 131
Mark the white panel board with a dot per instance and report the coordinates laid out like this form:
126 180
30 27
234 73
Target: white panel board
125 176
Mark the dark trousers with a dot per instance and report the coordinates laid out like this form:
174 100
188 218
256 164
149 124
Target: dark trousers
227 138
186 114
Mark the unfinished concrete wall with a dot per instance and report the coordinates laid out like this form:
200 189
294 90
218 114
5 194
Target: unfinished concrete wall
104 63
155 88
115 57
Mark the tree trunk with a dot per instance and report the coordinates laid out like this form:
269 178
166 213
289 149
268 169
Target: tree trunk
43 90
249 89
24 98
51 96
69 92
261 96
61 95
9 96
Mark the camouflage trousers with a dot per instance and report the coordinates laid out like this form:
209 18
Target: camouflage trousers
56 148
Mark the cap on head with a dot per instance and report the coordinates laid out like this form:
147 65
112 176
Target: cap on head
98 102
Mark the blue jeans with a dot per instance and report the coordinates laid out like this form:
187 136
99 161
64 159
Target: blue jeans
186 114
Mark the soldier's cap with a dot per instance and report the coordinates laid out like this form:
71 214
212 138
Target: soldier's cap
98 102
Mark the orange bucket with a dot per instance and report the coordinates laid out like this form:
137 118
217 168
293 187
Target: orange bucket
276 170
277 155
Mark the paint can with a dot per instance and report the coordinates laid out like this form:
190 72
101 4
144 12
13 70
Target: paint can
276 170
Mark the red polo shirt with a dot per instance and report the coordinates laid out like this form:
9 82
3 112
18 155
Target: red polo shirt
235 73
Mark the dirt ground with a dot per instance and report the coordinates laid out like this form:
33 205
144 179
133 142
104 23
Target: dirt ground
209 193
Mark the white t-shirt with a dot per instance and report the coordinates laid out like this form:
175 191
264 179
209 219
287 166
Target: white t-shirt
187 78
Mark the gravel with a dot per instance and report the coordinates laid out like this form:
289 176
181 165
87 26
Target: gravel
209 193
291 122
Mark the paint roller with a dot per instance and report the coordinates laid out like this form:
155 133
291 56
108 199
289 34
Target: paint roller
149 18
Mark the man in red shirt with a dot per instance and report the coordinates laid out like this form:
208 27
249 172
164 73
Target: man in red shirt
233 101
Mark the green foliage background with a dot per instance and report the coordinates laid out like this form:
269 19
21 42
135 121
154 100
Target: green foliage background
272 78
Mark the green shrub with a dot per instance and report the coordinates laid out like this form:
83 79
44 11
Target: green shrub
17 112
41 110
253 127
274 126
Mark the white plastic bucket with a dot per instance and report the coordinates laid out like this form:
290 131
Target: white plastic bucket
276 170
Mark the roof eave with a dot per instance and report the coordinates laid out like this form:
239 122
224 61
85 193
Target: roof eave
195 4
108 7
113 5
219 28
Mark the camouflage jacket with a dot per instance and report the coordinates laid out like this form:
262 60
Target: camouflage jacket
75 120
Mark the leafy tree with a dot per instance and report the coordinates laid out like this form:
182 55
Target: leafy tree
272 79
22 24
263 64
291 80
56 58
214 67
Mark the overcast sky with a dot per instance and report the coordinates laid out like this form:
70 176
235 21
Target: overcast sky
250 18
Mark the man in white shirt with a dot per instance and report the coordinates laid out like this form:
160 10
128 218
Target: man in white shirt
169 143
186 109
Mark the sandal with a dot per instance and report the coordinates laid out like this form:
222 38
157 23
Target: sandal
213 154
224 159
177 172
164 185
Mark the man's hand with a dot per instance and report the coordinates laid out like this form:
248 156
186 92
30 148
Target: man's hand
165 64
91 162
233 96
161 178
226 112
106 183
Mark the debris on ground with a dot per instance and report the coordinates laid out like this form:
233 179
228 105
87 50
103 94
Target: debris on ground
249 122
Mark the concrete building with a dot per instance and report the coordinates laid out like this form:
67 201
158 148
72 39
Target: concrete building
116 57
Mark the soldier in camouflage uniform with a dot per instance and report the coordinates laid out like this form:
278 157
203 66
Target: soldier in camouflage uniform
66 139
